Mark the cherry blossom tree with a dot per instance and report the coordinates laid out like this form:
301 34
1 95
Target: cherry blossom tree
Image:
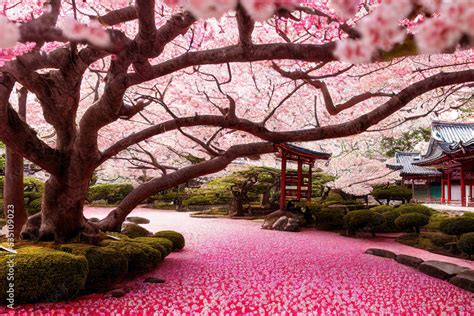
110 76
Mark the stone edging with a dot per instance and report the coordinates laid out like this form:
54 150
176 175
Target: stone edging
459 276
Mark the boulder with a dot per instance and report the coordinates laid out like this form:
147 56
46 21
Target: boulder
381 253
292 225
280 223
138 220
464 280
410 261
439 269
118 293
153 280
271 218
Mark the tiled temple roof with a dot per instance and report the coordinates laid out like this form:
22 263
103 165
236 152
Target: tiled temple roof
404 161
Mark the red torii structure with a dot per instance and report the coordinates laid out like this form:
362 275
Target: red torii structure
297 186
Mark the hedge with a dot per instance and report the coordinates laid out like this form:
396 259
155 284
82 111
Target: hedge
106 265
466 243
134 230
381 208
166 243
457 225
156 243
392 193
363 220
43 275
112 193
415 208
330 218
412 221
141 258
176 238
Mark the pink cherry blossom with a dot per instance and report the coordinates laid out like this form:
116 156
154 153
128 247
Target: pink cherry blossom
354 51
380 30
259 10
10 34
345 9
435 35
209 8
76 31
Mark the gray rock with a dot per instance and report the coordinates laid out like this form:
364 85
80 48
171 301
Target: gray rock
118 293
270 219
280 223
138 220
439 269
292 225
153 280
381 253
410 261
464 280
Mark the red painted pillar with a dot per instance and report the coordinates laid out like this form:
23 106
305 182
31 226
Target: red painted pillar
283 181
463 187
310 181
300 179
428 186
442 188
449 188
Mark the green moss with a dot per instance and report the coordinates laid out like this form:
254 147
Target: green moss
141 258
166 243
176 238
106 265
43 275
134 230
156 243
381 208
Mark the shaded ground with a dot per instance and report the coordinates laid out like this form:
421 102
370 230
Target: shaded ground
234 266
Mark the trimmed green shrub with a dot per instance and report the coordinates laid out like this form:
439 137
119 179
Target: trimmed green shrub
415 208
106 265
176 238
154 243
457 225
390 217
395 192
140 257
134 230
33 207
412 221
112 193
166 243
466 243
330 218
363 220
439 239
43 275
381 208
436 219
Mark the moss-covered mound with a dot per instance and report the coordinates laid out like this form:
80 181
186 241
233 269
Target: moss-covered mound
106 265
134 230
166 243
157 243
176 238
43 275
141 258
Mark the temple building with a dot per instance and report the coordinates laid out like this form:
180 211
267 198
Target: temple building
445 173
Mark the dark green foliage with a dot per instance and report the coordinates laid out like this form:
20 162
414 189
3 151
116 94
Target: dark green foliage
106 265
363 220
466 243
457 225
439 239
112 193
330 218
381 208
415 208
436 219
134 230
176 238
394 192
412 221
390 217
43 275
141 258
406 142
431 241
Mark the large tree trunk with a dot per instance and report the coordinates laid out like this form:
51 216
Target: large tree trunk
237 208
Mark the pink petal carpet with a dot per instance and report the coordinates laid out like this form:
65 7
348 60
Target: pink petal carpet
232 267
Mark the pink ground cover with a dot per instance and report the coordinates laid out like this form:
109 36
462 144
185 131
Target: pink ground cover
233 267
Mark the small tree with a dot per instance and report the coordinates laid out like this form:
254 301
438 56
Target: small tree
466 244
412 221
457 225
391 193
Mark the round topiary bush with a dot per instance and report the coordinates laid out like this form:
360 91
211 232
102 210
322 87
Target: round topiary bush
381 208
134 230
166 243
466 244
155 243
140 257
106 265
330 218
43 275
457 225
363 220
176 238
390 217
415 208
412 221
138 220
395 192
